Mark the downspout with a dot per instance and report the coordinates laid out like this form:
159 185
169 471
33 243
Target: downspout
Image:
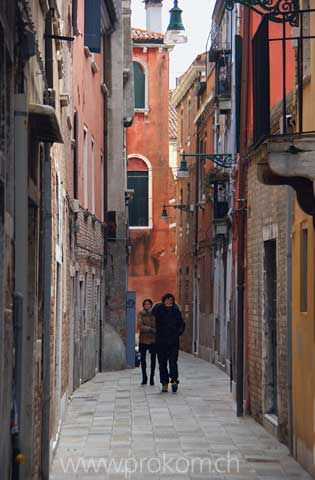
47 263
289 315
107 84
241 220
47 259
196 253
234 152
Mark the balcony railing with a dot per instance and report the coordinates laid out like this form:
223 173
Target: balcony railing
223 76
269 75
219 43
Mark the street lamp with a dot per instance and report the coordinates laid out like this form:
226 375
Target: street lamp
175 33
186 208
223 160
183 169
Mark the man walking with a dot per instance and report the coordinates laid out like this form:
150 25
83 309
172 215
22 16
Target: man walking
169 327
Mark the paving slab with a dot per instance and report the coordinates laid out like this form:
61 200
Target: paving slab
115 428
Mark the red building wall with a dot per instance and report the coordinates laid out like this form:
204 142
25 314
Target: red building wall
152 262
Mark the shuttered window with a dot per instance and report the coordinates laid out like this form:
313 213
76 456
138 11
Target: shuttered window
303 269
139 81
139 204
92 25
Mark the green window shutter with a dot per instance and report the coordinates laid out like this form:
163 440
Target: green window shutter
139 204
92 25
139 80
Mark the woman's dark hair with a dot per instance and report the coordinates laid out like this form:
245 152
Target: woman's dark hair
147 300
168 295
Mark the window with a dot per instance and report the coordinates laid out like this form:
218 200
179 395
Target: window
92 25
102 186
58 209
85 173
182 128
85 299
189 119
93 176
139 204
75 155
303 269
139 80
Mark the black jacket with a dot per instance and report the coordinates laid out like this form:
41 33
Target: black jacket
169 324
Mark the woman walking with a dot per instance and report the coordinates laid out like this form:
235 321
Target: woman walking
146 325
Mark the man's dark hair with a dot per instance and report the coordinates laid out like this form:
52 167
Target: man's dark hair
147 300
168 295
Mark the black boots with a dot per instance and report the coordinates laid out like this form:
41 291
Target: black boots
145 379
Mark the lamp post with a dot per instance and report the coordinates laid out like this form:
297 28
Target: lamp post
175 33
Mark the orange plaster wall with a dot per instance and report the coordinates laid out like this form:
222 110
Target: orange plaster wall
152 263
276 88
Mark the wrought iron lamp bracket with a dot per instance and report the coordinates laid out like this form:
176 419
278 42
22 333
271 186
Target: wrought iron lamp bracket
223 160
279 11
186 208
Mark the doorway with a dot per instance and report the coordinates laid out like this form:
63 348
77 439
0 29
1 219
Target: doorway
270 328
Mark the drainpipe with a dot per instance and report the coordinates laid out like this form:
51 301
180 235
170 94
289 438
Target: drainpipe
47 259
241 220
47 262
196 253
289 314
234 152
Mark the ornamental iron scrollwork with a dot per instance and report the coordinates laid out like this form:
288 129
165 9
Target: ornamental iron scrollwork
223 160
279 11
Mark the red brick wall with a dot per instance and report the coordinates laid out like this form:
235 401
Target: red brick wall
266 206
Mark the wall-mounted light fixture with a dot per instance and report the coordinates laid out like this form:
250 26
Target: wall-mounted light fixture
186 208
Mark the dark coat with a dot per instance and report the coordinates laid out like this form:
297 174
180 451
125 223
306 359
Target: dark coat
169 324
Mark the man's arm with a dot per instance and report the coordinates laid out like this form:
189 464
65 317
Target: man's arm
180 323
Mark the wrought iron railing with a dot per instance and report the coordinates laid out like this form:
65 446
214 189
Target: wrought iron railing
266 74
219 44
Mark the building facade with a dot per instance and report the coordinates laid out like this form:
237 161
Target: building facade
152 261
58 144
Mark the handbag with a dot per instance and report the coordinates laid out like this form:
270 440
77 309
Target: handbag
137 358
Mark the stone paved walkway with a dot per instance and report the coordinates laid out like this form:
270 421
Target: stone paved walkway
117 429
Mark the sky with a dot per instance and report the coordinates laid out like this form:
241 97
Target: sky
197 21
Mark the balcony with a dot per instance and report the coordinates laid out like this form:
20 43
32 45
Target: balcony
283 146
289 160
223 83
218 181
219 45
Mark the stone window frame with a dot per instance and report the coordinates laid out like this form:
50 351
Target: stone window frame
145 68
150 191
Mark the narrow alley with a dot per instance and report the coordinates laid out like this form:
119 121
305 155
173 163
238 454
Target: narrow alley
115 428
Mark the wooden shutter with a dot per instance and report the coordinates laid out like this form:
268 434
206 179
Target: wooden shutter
92 25
139 80
139 205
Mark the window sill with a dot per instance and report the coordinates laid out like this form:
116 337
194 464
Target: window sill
149 227
142 110
87 52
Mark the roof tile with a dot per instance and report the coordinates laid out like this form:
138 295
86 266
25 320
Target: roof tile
140 35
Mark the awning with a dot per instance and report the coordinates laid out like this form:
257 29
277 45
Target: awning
44 123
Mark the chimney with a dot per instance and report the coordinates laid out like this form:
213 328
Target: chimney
154 15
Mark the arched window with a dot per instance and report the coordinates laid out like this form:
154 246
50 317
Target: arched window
140 180
140 85
189 118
